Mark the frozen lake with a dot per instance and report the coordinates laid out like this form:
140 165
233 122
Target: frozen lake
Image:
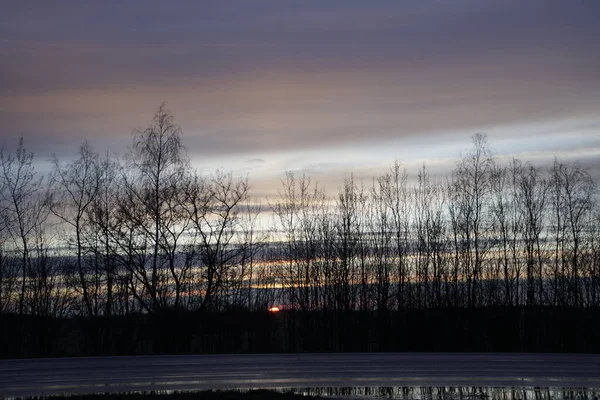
112 374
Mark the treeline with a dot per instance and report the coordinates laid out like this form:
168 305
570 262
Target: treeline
484 329
102 236
487 235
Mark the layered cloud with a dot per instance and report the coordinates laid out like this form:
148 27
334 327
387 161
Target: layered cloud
324 87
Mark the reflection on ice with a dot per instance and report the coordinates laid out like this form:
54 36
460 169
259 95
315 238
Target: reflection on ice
449 393
413 393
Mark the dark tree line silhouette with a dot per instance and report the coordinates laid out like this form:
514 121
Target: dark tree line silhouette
487 235
145 236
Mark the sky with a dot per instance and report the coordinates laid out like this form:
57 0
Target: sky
323 87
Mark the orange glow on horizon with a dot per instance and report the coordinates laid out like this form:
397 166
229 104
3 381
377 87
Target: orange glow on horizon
274 309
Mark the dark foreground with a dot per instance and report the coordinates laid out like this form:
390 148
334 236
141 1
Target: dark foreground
30 377
485 329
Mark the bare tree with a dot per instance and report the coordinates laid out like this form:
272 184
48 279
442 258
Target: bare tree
25 209
46 294
8 265
507 226
533 189
157 165
470 188
104 227
73 189
244 277
298 213
430 265
396 196
572 191
349 232
381 241
213 209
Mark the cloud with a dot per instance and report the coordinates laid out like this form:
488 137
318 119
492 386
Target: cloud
333 85
256 161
